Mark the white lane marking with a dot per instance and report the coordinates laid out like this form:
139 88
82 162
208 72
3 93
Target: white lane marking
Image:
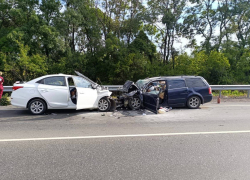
123 136
226 105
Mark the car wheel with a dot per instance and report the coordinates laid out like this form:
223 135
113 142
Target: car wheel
134 103
193 102
104 104
37 106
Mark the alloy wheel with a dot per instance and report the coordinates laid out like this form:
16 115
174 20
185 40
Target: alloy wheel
103 104
194 102
135 102
36 107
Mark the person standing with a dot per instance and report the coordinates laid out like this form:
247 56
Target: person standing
1 84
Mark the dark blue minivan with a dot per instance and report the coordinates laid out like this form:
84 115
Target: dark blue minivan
166 91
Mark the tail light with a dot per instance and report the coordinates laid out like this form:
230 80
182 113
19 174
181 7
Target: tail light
209 90
16 87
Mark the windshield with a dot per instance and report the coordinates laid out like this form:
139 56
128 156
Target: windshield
86 78
80 82
141 82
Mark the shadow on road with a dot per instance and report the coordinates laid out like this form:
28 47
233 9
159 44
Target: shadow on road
10 114
20 114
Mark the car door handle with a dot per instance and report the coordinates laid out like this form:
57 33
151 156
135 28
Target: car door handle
44 90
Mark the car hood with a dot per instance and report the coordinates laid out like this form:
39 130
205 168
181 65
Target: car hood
129 86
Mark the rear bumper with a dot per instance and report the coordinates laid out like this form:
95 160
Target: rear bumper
17 100
208 98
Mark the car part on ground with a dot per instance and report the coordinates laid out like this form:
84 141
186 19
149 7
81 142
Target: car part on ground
113 105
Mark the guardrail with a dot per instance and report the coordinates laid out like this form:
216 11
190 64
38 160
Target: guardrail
7 88
214 88
231 87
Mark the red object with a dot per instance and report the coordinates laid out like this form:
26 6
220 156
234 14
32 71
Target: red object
218 100
16 87
1 82
210 90
1 86
1 93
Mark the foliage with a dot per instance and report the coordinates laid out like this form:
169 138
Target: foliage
5 101
231 93
22 65
112 41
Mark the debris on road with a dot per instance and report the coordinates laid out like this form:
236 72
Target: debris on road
165 109
161 111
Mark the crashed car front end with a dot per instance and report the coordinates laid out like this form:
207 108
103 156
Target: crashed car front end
130 96
104 101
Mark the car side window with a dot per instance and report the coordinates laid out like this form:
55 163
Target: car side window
40 81
195 82
55 81
80 82
173 84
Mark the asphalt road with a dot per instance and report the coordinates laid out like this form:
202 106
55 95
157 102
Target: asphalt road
208 143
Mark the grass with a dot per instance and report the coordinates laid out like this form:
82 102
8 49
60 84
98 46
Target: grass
231 93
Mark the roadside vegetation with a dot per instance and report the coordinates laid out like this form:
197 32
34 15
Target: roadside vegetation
230 94
111 41
5 100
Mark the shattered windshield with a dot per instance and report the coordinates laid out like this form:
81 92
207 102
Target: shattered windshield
141 82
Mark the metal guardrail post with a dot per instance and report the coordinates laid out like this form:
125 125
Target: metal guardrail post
248 93
220 94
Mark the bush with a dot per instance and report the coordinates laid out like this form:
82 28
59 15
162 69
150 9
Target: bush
5 100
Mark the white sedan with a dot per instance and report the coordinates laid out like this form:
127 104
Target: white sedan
56 92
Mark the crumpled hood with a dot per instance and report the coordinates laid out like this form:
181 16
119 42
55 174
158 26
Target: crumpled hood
129 86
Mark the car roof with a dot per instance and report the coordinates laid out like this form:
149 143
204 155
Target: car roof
172 77
49 75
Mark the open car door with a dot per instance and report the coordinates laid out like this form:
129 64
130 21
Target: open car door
86 95
151 102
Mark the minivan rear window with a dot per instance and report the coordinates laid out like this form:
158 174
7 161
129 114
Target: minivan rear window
195 82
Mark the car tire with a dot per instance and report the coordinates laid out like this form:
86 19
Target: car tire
37 106
134 103
104 104
193 102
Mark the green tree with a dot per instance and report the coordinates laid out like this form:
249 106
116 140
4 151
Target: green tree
22 65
